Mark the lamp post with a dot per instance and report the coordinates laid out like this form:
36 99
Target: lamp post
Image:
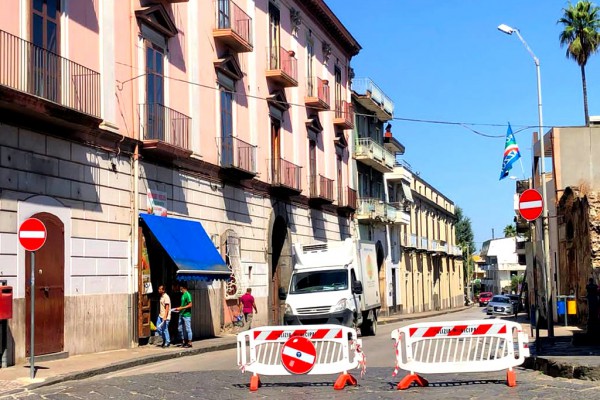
546 242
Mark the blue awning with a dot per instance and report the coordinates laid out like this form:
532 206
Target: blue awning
190 248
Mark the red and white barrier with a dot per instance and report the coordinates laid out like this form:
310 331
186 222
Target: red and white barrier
459 346
306 349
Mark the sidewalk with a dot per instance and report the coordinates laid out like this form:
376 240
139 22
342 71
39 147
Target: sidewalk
559 358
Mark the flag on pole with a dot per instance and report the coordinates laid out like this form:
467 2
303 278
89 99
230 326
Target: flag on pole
511 153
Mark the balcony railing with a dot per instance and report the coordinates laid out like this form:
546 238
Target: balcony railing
424 243
401 215
233 26
317 93
347 198
282 66
365 86
165 125
344 114
456 250
34 70
371 209
373 154
286 174
321 188
235 153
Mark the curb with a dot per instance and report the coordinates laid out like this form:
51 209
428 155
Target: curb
120 366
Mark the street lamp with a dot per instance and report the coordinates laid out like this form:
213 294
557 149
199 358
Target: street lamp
546 242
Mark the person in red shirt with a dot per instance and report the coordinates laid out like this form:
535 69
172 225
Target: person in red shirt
247 305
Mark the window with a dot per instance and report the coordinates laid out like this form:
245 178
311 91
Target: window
155 92
338 92
45 34
310 54
312 164
274 19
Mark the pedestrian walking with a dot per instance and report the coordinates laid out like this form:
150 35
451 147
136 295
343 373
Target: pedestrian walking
247 305
592 300
164 316
185 316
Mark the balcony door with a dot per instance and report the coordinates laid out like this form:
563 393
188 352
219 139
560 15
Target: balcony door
312 163
224 14
227 156
45 61
338 92
155 93
275 150
310 55
340 180
274 44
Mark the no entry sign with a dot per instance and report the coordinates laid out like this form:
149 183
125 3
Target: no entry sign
530 204
298 355
32 234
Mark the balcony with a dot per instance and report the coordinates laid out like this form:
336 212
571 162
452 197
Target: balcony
321 190
317 94
374 155
52 79
371 209
238 158
409 241
233 27
346 200
344 115
400 214
439 246
370 96
164 131
422 243
285 177
282 67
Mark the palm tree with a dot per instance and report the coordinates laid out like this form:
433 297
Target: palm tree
510 231
581 24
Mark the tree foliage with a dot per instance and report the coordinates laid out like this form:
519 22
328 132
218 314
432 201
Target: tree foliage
510 230
465 239
581 23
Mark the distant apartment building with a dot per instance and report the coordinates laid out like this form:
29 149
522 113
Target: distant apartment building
231 118
501 264
427 261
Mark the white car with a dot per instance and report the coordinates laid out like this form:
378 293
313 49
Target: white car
500 305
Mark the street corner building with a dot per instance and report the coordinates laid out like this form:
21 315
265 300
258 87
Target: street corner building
116 116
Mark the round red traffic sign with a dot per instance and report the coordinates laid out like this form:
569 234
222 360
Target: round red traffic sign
298 355
32 234
530 204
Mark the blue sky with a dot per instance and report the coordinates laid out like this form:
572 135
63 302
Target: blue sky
445 60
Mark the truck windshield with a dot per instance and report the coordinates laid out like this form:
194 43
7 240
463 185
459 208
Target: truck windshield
319 281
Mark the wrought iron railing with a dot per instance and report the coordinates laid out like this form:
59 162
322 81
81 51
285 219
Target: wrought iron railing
165 124
285 173
371 208
367 147
34 70
319 88
347 198
284 60
230 16
366 86
345 111
325 187
237 153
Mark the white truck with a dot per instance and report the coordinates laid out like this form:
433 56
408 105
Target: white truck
334 283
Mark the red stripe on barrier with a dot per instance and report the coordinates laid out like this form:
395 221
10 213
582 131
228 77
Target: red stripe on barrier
299 332
320 334
482 329
433 331
412 331
257 334
338 335
457 330
274 335
503 329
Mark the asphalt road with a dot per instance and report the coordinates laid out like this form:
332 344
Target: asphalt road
216 376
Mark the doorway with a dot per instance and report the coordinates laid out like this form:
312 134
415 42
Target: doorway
279 259
49 293
381 272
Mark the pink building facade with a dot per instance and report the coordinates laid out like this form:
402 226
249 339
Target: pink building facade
234 115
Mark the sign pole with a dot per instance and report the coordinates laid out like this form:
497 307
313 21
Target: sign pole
32 294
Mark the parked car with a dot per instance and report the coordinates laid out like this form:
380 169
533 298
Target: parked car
517 302
484 298
500 305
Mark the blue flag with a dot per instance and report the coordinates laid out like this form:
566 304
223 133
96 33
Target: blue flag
511 153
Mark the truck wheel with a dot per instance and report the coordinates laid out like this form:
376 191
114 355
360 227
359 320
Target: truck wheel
373 328
368 327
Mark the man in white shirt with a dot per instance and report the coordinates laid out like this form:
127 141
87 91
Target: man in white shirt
164 316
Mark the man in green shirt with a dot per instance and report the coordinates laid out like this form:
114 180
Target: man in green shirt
185 316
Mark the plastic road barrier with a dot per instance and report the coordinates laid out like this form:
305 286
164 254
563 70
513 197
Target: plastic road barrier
459 346
305 349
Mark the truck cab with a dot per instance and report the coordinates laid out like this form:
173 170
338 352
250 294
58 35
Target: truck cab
334 283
